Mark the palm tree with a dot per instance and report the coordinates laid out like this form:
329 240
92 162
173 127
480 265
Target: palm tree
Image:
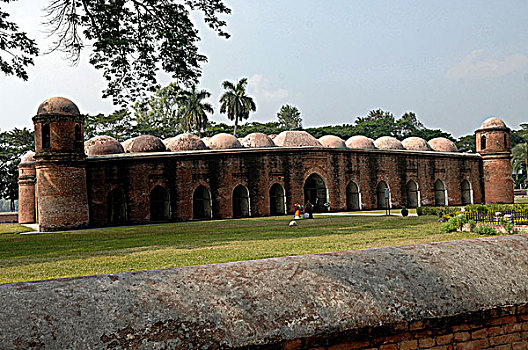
235 103
192 110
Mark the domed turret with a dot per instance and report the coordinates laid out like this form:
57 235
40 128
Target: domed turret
60 166
185 142
296 139
101 145
331 141
441 144
223 141
388 142
257 140
360 142
493 143
416 144
145 143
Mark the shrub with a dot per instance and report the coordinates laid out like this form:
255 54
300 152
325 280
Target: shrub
485 230
460 220
472 225
404 211
419 211
507 223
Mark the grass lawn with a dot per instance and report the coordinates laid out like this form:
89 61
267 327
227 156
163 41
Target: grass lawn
119 249
13 228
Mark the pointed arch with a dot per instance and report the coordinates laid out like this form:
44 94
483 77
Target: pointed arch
315 191
160 209
380 194
440 193
353 196
202 203
467 192
116 207
241 202
277 200
413 194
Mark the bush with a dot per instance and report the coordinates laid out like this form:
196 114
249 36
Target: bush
404 211
485 230
507 223
449 226
460 220
472 225
438 211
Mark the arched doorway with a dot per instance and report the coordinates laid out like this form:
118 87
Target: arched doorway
353 196
467 193
315 192
159 204
202 203
241 202
440 193
277 200
116 207
383 203
413 195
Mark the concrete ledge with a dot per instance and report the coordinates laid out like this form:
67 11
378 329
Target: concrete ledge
268 301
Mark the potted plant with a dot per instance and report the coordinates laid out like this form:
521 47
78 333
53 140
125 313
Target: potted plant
404 211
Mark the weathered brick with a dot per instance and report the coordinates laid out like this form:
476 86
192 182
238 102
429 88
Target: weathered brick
522 345
501 320
479 334
426 342
512 328
409 344
444 339
292 344
462 336
505 339
473 345
350 345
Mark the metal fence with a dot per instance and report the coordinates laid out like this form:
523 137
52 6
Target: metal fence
519 217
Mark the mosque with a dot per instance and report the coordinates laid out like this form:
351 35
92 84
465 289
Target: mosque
68 183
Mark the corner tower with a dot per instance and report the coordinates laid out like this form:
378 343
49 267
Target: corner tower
60 162
493 143
26 189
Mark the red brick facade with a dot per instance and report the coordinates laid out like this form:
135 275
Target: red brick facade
74 191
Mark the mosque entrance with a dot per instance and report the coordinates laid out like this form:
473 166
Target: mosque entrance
241 202
116 207
465 188
412 194
440 193
352 194
383 203
159 204
202 203
277 200
315 192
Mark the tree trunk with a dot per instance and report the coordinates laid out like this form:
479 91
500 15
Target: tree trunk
236 124
12 205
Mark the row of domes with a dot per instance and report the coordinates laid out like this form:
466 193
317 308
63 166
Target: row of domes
101 145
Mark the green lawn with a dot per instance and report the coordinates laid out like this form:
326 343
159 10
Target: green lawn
13 228
119 249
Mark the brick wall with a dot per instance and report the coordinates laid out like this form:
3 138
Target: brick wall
221 171
8 217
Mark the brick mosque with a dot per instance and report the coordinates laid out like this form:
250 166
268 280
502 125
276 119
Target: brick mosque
68 183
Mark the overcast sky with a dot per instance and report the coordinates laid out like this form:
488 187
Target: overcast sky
453 63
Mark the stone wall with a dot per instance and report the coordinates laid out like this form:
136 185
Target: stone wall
258 169
469 294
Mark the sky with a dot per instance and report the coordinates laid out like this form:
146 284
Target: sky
453 63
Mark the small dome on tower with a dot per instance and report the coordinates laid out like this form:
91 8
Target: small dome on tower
493 123
101 145
58 105
184 142
332 141
441 144
296 139
360 142
28 157
145 143
388 142
223 141
257 140
416 144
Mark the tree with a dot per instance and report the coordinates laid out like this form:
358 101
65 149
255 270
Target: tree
289 117
130 40
520 158
13 144
158 115
467 143
235 102
193 110
119 124
376 124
